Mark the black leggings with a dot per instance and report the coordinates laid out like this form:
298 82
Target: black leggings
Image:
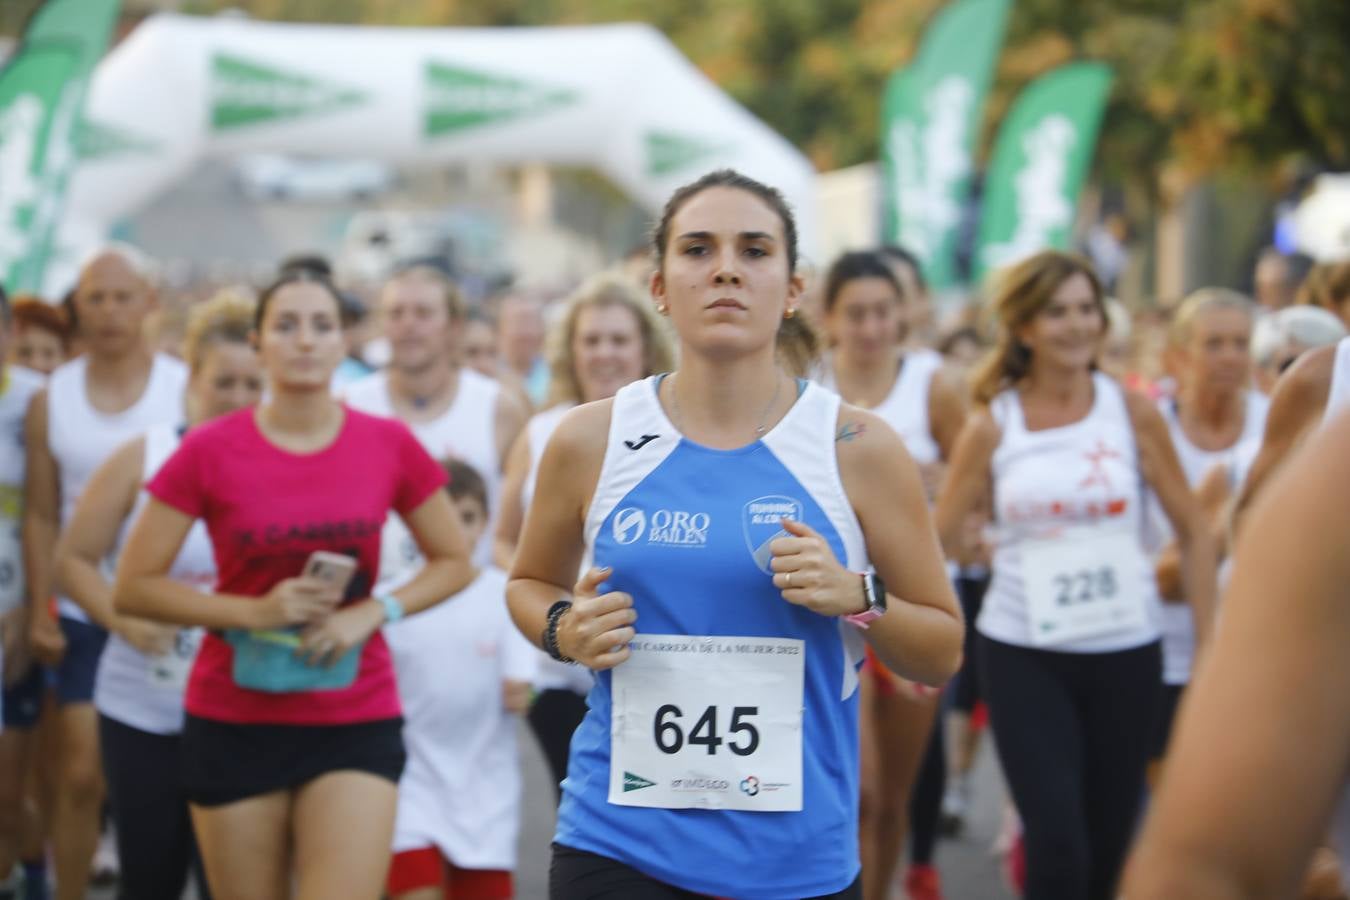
925 801
150 809
1073 733
578 875
556 713
970 589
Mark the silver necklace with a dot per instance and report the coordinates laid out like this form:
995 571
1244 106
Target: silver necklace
763 418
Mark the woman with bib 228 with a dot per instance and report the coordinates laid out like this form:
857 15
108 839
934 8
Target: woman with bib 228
729 513
1069 634
292 755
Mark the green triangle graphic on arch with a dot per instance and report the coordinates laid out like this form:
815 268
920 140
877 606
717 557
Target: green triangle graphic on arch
668 151
458 99
251 93
101 140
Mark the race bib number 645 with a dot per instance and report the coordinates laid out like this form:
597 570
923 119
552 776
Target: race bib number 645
708 722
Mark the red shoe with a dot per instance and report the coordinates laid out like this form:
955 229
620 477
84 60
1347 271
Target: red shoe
1015 866
923 883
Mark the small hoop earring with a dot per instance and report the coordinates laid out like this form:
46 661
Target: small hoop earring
790 313
662 309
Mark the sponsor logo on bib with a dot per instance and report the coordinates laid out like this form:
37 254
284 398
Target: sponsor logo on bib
633 782
750 786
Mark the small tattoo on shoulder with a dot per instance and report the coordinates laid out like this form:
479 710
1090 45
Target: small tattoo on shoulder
850 430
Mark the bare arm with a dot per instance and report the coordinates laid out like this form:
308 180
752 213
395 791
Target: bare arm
143 586
440 537
920 636
511 506
947 409
508 421
1209 833
1213 496
1162 471
41 527
967 483
446 570
92 532
597 629
1295 408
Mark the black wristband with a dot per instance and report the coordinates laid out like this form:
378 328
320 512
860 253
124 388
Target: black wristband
549 639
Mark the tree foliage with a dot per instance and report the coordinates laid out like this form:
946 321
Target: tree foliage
1201 85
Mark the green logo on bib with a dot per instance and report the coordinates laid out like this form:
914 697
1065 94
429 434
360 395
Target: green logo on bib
633 782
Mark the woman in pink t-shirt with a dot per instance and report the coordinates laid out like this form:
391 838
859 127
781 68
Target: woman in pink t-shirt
292 743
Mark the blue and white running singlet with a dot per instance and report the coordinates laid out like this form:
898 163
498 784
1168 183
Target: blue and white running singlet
722 757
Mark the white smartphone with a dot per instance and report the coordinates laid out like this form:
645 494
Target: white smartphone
334 568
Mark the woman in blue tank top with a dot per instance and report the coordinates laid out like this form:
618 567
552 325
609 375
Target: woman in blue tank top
727 520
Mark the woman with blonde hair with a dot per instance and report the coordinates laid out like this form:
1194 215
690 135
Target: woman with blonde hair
606 336
142 673
1328 286
1069 638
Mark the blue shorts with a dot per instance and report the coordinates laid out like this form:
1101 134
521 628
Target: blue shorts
23 699
74 675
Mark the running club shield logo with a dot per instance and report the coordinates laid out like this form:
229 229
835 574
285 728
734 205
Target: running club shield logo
761 521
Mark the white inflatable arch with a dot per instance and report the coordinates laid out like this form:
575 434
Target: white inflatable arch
618 98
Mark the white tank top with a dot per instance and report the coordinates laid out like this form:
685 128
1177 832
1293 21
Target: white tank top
80 437
17 387
1083 475
141 691
550 674
1339 396
906 407
1178 627
466 431
538 430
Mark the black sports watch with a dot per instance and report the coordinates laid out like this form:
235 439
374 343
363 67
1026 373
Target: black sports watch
874 590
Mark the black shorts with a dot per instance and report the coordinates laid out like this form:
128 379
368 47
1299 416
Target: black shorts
23 699
579 875
224 762
76 671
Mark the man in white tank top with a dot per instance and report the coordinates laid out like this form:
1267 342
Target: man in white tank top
91 406
454 411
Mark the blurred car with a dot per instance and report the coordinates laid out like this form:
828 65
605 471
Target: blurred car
270 176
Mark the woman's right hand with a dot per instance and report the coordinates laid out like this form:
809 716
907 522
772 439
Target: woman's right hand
596 630
296 601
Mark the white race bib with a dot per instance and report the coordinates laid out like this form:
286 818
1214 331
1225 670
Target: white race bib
1084 585
708 723
169 671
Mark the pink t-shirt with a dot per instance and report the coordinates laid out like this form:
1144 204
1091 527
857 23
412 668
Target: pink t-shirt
267 510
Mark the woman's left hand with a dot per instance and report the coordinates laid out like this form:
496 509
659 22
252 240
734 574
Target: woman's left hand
326 641
807 573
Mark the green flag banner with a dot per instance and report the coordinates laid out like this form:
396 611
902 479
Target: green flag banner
1041 157
42 90
931 114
